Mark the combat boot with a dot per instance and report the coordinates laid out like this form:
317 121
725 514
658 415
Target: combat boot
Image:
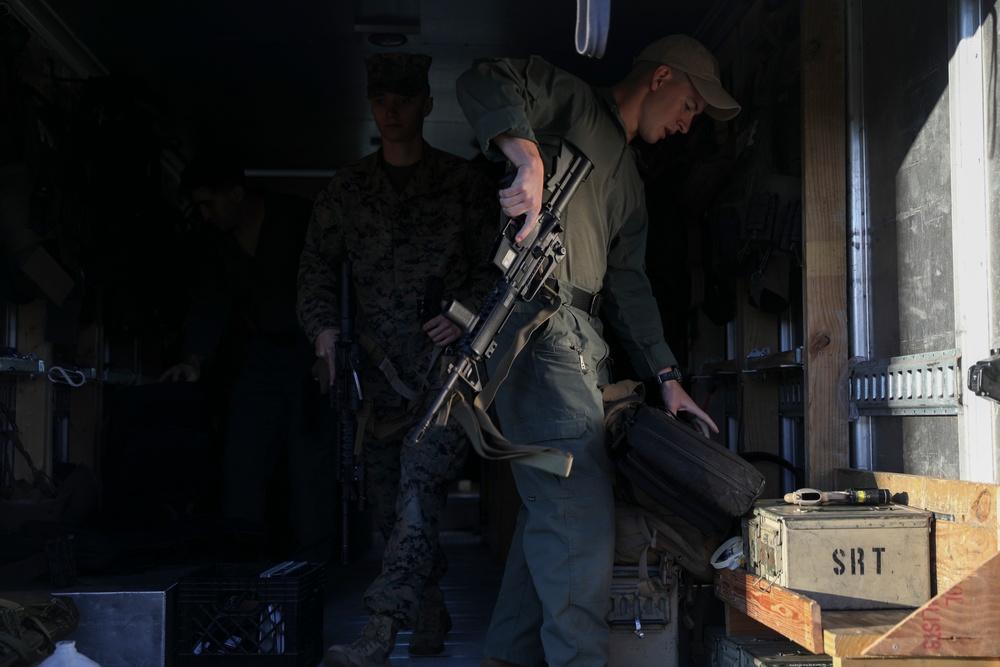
433 623
372 649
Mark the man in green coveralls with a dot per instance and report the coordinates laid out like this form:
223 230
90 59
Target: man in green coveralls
556 587
404 215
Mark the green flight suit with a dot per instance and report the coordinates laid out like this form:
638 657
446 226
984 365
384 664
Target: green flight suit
557 581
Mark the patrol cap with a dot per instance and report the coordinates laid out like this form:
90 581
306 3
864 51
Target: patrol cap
689 56
399 73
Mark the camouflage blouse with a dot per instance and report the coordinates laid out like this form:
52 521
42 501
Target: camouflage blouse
442 225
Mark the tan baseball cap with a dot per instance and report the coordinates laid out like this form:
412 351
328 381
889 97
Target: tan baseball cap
689 56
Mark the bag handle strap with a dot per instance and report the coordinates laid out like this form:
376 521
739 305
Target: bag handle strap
20 647
620 396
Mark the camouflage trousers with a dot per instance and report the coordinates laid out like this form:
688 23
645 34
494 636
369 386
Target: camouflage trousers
407 491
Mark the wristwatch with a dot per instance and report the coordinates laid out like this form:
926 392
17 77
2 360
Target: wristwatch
669 375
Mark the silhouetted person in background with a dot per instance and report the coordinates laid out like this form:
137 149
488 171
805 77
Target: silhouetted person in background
246 304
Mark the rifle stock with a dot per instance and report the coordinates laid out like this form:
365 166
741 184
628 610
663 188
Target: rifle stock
525 266
351 471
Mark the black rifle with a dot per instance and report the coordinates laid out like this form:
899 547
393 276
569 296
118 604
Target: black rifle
525 265
352 472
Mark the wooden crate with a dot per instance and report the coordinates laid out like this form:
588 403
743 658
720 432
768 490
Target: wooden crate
843 556
958 624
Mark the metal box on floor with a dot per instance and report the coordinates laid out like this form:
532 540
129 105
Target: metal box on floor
644 626
766 652
788 654
729 649
707 656
843 556
125 621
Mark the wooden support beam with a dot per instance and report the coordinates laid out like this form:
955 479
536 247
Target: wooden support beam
849 633
916 662
961 621
966 530
739 624
955 628
824 233
794 616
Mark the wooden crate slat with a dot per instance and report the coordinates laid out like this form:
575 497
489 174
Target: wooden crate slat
794 616
916 662
961 621
849 633
965 526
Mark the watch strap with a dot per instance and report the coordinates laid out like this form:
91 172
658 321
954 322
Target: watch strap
669 375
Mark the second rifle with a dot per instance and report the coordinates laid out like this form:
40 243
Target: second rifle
352 471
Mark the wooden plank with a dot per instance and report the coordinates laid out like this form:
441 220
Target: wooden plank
961 621
958 547
722 367
916 662
967 502
824 230
783 359
794 616
965 527
849 633
739 624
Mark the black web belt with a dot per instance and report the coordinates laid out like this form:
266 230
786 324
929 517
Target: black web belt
588 302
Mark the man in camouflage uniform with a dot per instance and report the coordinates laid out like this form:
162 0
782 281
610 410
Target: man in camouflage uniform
403 215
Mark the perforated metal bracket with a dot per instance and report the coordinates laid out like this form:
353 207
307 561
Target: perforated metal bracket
912 385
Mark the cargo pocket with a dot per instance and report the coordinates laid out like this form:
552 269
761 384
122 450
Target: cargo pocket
543 429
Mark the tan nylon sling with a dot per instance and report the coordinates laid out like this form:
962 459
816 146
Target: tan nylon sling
472 417
388 428
476 422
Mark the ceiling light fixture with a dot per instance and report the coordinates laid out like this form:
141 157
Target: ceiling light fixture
387 39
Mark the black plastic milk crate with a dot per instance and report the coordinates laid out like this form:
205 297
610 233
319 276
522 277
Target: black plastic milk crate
226 614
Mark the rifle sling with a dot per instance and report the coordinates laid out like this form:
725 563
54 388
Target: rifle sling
389 427
473 417
476 421
382 430
383 363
